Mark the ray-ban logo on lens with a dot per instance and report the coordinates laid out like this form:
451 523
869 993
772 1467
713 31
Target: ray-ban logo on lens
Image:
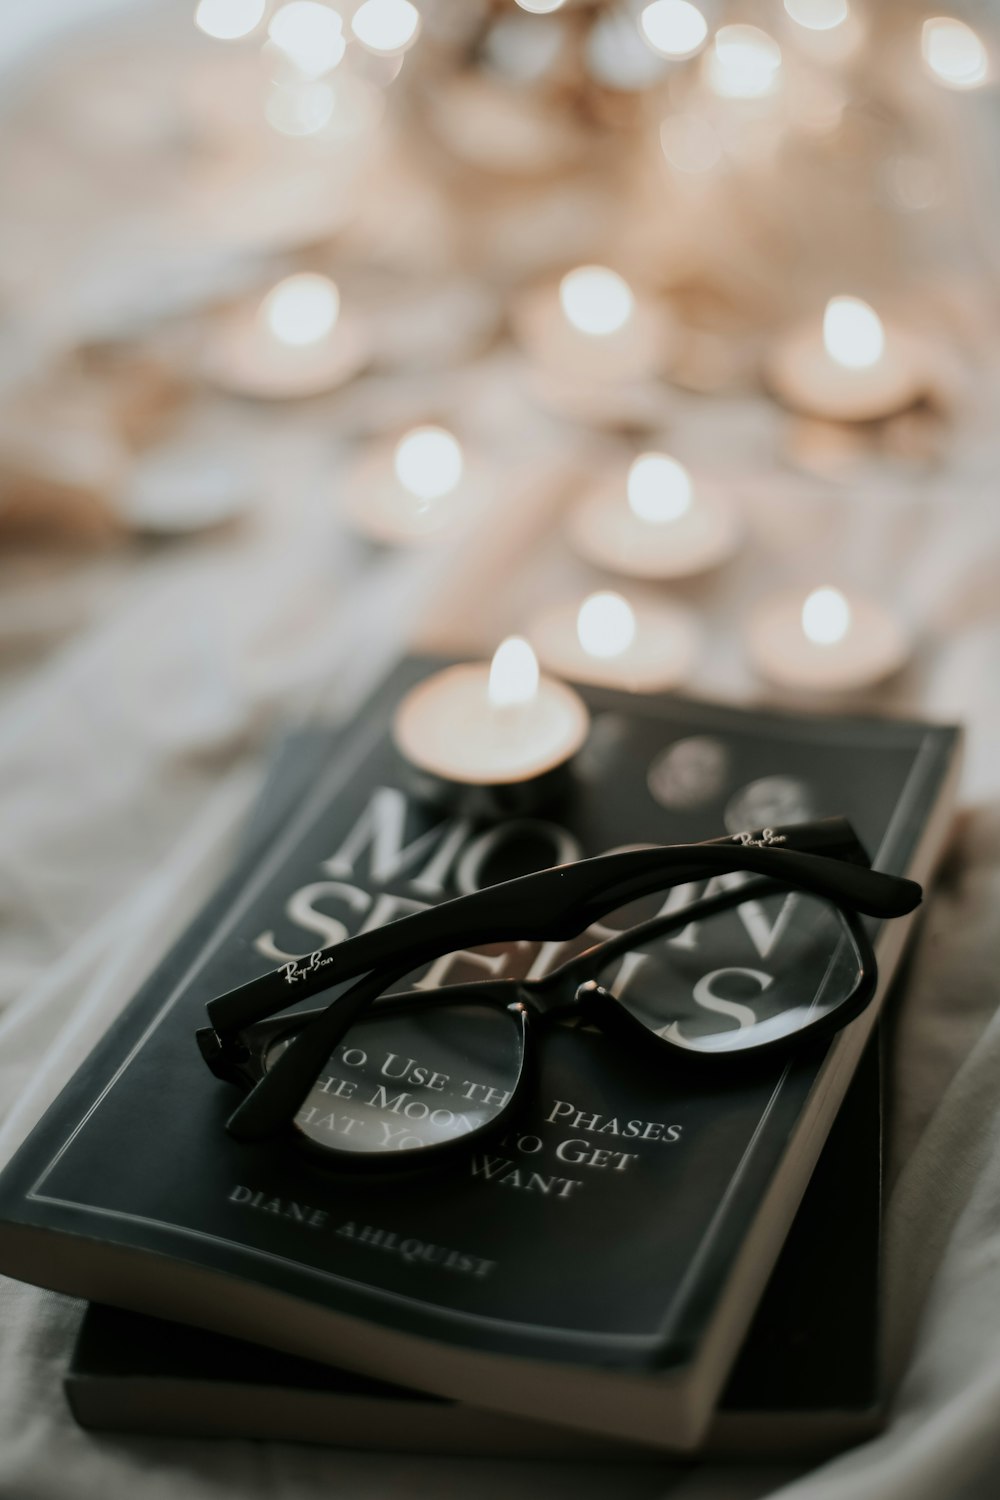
768 838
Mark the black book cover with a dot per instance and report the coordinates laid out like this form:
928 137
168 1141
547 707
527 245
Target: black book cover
545 1278
806 1380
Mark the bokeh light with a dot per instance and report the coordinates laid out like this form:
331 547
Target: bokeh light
659 489
596 300
852 332
302 309
826 617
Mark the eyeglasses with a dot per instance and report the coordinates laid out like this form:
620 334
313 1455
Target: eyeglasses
773 953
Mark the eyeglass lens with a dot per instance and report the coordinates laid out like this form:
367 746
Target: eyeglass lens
434 1067
741 978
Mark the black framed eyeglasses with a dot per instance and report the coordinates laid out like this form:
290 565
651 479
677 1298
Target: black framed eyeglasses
422 1054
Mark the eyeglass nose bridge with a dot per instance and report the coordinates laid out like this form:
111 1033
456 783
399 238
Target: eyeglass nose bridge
590 996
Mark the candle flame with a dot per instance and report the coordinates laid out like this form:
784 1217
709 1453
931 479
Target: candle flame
386 26
302 309
513 673
744 63
605 625
310 35
227 20
953 53
826 617
428 462
674 28
659 489
818 15
852 333
595 300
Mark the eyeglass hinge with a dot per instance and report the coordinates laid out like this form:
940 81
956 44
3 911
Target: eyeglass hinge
223 1057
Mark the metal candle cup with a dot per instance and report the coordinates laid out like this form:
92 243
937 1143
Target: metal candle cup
490 737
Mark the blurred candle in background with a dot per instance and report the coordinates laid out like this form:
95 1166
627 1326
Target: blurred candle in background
674 28
605 626
953 54
416 489
596 302
659 489
849 367
428 463
308 35
826 617
294 342
830 31
228 20
853 334
818 15
657 524
825 641
301 310
591 326
743 63
645 646
386 27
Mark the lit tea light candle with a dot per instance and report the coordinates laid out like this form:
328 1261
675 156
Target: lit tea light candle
500 724
645 648
953 54
826 643
591 327
309 36
228 20
851 368
818 15
673 28
386 27
743 63
415 489
830 30
658 524
295 342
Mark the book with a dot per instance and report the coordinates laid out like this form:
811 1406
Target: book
536 1281
807 1380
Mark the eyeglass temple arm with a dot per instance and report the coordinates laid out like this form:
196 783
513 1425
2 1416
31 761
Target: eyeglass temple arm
562 902
657 927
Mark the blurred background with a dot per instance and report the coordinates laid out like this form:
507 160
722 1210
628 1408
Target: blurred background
327 328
